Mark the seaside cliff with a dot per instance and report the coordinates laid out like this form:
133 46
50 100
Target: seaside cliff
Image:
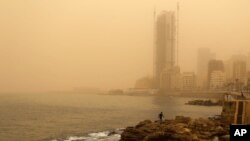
179 129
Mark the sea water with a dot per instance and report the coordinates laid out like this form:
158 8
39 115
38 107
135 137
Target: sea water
77 116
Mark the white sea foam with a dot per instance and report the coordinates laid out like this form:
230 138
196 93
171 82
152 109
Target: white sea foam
99 136
75 138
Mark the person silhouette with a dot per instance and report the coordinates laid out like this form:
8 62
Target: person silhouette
161 116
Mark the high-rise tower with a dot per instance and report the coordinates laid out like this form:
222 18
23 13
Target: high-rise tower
165 42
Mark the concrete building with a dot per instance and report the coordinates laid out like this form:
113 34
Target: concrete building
204 56
239 71
217 80
164 57
188 81
236 111
229 73
214 66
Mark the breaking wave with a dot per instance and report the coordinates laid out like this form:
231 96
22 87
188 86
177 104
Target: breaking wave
114 135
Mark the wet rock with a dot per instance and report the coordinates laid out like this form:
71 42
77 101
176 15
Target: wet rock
116 131
111 133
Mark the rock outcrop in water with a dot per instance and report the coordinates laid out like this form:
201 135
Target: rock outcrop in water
205 102
179 129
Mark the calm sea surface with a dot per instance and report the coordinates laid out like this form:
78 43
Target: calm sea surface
36 117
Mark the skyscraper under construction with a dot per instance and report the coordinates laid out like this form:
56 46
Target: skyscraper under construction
165 44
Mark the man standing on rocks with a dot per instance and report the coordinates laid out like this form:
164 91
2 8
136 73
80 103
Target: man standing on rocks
161 116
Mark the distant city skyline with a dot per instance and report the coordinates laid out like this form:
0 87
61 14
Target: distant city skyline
47 45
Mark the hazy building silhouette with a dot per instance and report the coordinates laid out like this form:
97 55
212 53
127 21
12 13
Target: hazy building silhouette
214 66
239 71
188 81
217 80
229 66
165 37
144 83
203 57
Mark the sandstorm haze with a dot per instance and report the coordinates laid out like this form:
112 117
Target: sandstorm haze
58 45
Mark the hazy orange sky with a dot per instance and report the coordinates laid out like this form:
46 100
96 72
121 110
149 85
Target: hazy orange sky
60 44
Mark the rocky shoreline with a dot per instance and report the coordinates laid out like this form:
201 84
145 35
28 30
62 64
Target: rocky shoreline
179 129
